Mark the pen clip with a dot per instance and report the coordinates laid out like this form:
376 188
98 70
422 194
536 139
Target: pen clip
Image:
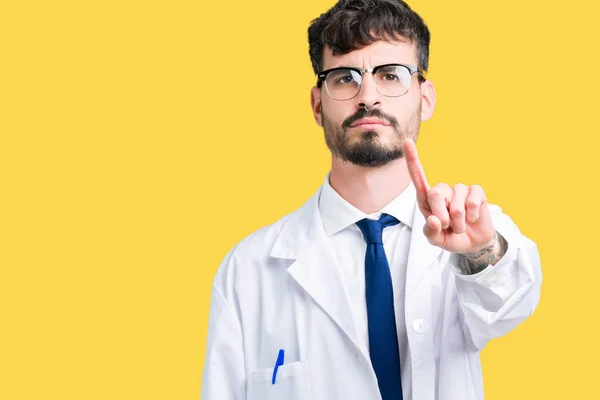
277 364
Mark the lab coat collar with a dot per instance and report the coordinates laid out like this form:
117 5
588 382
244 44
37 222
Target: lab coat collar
304 229
315 267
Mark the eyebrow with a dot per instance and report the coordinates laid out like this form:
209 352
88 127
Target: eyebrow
378 65
341 66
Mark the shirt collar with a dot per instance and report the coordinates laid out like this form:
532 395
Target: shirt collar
337 214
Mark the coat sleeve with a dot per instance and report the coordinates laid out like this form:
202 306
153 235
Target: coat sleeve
497 299
224 375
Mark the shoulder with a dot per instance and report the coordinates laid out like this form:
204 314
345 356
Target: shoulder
259 243
249 253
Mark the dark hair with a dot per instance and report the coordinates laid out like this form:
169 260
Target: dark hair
353 24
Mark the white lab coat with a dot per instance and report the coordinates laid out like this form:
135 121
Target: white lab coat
282 288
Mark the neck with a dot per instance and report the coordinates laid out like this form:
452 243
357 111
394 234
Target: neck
366 188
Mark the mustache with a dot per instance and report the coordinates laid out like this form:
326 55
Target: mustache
375 113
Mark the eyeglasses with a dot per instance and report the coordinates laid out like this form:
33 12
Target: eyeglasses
392 80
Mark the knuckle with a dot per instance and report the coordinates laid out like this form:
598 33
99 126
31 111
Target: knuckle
445 188
478 189
457 211
441 214
471 204
441 187
434 192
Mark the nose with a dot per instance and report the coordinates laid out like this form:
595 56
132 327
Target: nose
368 96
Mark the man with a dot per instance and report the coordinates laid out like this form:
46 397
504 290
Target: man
379 286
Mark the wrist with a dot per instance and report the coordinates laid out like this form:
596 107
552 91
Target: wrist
490 254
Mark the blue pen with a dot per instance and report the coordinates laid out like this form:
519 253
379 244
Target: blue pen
277 364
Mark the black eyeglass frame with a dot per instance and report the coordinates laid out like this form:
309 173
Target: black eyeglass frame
412 69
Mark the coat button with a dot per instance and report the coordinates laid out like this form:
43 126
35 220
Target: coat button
420 325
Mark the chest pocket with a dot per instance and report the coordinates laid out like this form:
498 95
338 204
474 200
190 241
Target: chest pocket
291 383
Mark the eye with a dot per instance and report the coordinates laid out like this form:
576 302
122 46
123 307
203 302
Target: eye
390 77
343 80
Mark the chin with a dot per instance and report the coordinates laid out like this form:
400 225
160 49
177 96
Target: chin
379 139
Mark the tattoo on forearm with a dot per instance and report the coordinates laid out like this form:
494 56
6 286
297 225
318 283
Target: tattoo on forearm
476 267
489 255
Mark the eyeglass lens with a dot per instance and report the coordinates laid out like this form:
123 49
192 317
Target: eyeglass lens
392 81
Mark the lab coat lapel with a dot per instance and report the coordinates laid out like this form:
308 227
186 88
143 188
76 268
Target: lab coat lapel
421 253
316 268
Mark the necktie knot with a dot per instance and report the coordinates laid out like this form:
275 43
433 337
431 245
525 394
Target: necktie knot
372 230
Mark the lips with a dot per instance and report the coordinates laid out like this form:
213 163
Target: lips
369 121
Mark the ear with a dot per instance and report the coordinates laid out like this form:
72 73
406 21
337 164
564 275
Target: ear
315 104
427 100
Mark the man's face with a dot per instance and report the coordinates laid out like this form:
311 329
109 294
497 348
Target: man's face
372 145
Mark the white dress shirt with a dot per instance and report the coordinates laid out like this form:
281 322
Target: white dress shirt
339 220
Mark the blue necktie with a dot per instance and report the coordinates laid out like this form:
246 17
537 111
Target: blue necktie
383 338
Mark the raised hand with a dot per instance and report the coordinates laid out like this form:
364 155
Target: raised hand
458 219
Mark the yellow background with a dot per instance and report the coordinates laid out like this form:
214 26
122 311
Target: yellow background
140 140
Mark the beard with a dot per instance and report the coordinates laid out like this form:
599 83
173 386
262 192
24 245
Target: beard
365 149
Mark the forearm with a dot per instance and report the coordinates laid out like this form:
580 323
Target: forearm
499 297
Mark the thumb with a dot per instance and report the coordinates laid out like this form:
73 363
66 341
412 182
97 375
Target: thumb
433 231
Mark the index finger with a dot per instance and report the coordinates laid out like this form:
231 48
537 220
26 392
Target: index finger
415 169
